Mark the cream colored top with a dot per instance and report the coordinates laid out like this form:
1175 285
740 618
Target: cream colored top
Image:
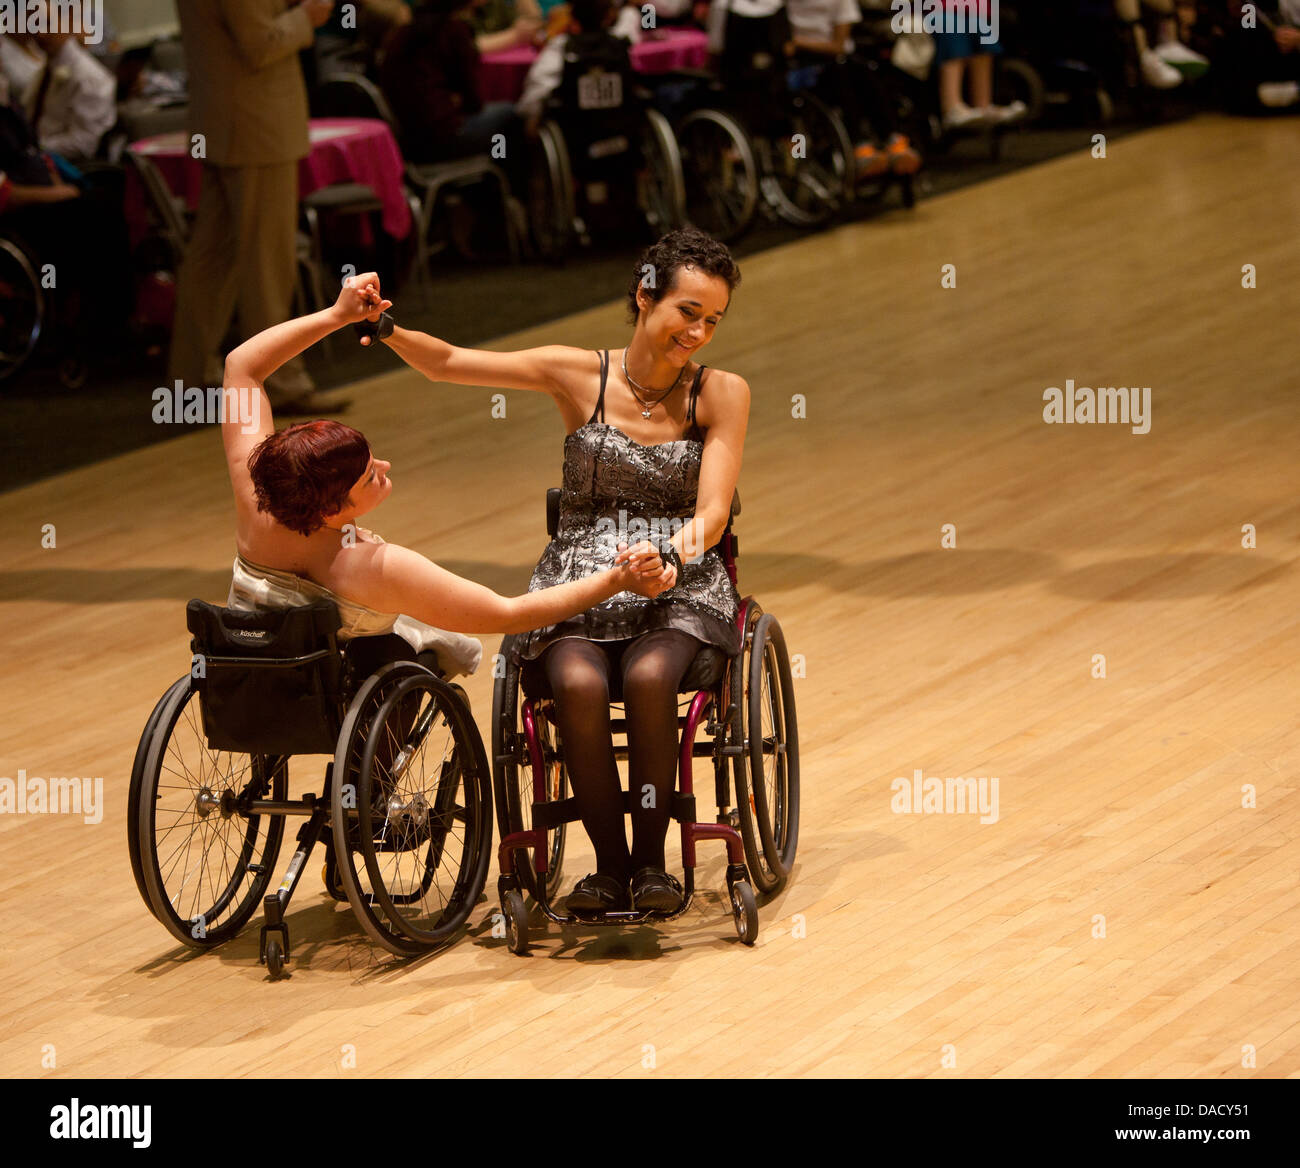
255 587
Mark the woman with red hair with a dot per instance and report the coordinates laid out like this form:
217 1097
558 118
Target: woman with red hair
299 493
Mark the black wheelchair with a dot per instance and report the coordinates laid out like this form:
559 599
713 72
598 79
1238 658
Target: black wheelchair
405 811
604 156
753 139
746 705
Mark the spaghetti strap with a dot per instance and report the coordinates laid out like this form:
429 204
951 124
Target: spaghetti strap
600 401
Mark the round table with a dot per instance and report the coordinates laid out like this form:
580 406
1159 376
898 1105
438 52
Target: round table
502 74
360 150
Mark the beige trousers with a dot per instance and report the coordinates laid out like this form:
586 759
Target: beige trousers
242 254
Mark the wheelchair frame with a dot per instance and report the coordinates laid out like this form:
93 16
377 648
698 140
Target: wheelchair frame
555 212
381 727
760 831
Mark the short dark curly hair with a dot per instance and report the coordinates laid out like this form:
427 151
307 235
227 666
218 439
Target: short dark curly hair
687 247
305 472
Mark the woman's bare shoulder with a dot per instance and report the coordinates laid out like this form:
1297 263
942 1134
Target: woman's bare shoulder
723 393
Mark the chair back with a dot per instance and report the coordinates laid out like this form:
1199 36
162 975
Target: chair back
164 204
269 682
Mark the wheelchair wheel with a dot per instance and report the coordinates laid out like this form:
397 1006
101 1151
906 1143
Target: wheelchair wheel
808 171
201 853
22 308
423 812
720 173
513 779
551 209
345 788
767 772
662 192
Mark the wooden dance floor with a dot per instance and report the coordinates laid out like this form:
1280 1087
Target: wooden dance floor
1128 906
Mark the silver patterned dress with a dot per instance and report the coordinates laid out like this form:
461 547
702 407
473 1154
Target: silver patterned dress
617 490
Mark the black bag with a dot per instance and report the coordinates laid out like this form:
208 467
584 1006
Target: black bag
292 703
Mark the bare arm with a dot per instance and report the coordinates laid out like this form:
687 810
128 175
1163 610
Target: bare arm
549 369
247 418
724 447
392 578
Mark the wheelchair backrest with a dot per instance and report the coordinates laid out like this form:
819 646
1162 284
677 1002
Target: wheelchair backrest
595 102
269 682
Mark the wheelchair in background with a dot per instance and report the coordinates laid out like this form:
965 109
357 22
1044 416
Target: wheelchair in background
756 138
745 704
405 811
603 155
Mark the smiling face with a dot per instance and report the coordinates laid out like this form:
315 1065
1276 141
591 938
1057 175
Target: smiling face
682 322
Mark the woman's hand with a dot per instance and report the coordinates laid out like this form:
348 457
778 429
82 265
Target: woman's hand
644 572
360 299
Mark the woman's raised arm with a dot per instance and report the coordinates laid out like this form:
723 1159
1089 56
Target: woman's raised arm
549 369
247 417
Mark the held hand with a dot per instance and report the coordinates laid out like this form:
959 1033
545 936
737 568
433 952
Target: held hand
644 572
360 299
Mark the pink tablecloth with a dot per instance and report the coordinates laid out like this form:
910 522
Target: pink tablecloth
502 74
359 150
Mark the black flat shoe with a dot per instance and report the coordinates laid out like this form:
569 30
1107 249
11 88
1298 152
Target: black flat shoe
654 890
596 893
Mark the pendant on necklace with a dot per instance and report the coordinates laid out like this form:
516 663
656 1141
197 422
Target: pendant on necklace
645 413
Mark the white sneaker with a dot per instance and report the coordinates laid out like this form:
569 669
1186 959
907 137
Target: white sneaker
1278 94
962 117
1002 114
1177 53
1157 74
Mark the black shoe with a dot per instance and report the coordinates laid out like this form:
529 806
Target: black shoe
597 893
653 890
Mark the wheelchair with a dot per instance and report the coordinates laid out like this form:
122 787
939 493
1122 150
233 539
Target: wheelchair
756 138
22 307
405 811
603 151
746 706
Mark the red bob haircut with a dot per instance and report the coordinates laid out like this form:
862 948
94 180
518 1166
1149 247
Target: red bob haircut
304 472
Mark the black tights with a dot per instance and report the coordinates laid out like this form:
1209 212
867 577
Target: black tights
652 666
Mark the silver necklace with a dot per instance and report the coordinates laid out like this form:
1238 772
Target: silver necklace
647 406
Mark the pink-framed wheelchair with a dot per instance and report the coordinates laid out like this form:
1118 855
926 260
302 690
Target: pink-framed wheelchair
745 705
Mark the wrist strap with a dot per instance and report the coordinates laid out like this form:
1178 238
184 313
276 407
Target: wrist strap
376 330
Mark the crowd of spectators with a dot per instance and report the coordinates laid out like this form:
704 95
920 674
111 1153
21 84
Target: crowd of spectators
243 72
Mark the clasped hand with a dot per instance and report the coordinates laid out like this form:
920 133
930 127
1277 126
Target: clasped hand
645 573
360 299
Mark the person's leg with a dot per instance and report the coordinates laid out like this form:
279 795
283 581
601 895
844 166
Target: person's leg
653 667
206 283
981 80
266 214
578 672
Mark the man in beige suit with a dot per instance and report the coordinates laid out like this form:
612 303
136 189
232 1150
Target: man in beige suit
249 103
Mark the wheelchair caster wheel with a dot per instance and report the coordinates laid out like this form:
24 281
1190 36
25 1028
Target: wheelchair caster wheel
73 373
744 912
512 907
274 957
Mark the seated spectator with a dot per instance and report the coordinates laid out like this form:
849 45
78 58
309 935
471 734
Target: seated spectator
503 24
1260 67
67 95
1161 67
820 30
75 228
588 19
960 52
430 75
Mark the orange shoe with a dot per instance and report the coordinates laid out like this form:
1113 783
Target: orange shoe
902 158
870 161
